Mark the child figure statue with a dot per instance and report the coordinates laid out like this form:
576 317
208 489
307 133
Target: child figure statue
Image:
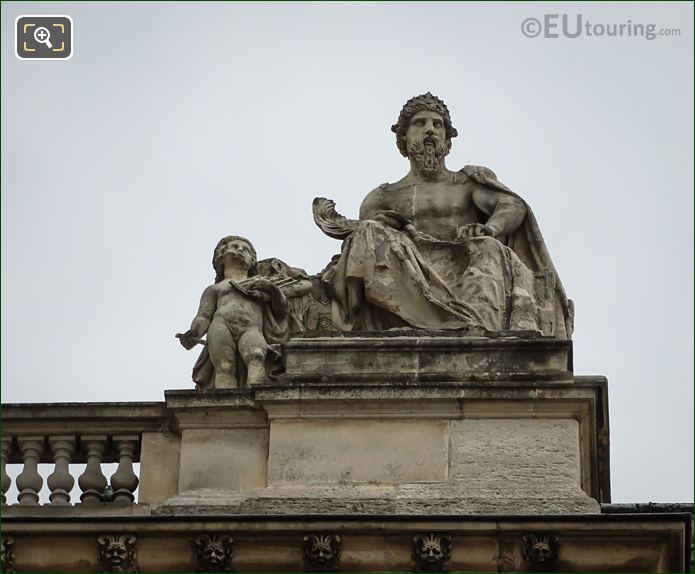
241 313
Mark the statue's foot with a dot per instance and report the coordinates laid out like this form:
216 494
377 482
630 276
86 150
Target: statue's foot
255 373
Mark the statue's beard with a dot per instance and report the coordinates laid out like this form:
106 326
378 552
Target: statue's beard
428 156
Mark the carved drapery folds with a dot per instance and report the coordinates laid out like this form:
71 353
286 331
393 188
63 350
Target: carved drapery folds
330 221
431 552
7 556
540 551
214 552
321 552
117 553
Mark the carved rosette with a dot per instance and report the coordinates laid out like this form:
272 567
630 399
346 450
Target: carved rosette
118 553
321 552
431 551
7 556
540 550
214 552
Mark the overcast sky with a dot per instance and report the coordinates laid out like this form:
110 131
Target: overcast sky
176 124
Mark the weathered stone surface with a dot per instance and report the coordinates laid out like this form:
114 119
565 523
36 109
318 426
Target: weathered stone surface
542 454
234 459
426 358
340 451
403 499
159 469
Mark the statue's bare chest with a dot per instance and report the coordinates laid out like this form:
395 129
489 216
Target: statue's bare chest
429 205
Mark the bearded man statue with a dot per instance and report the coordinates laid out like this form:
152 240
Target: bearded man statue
441 249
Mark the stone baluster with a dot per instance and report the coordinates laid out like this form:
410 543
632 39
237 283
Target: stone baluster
6 451
29 482
61 481
124 481
92 481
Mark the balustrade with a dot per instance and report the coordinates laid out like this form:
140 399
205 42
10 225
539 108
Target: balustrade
29 482
6 482
124 481
92 481
61 481
66 435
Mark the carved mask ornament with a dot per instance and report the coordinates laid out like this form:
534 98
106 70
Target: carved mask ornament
117 553
540 550
215 552
321 552
431 551
7 556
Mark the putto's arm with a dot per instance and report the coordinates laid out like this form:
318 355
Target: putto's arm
206 310
201 322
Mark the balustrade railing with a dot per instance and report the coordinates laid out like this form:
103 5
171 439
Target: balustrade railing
64 435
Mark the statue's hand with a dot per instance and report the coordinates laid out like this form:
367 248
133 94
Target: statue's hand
391 219
476 230
188 339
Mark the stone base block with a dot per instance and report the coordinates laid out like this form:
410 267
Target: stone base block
405 500
427 356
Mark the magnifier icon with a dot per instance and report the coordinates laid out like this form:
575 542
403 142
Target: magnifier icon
43 36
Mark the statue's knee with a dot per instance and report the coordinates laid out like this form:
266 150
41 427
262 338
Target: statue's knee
253 354
485 246
252 346
225 366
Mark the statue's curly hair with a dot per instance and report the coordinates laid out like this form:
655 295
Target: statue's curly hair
218 260
413 106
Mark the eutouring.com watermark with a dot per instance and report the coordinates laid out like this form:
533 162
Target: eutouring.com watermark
576 26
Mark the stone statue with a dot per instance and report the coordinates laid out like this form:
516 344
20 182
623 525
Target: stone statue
441 249
242 313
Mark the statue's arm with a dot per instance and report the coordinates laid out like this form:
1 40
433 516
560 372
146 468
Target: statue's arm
505 211
201 322
278 303
297 289
206 310
377 207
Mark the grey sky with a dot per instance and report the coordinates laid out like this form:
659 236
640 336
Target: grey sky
175 124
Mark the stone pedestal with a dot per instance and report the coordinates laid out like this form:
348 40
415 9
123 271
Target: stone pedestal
428 424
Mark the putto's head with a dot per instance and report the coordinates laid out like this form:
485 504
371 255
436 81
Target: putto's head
412 113
232 248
